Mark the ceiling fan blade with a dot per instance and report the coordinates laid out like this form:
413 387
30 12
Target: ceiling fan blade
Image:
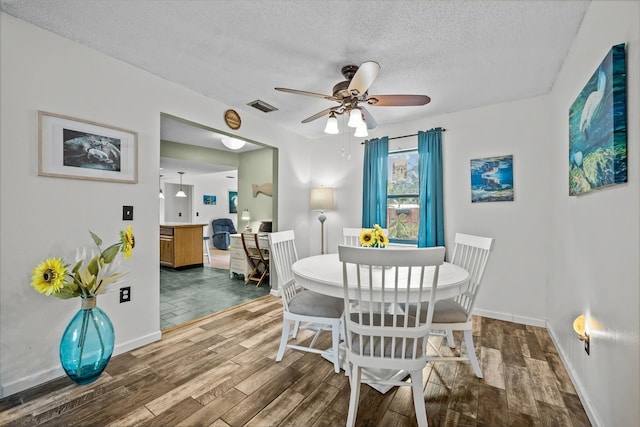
363 78
397 100
368 118
318 115
304 92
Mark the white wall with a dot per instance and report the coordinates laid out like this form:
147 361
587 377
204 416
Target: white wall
514 285
45 216
333 167
256 168
596 236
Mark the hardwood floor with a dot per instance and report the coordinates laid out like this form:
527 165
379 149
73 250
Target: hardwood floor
220 371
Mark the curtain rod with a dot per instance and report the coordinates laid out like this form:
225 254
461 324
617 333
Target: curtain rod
404 136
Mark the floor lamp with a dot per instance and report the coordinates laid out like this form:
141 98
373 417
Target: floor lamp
322 200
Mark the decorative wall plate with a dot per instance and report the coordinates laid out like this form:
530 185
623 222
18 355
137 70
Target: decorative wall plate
232 119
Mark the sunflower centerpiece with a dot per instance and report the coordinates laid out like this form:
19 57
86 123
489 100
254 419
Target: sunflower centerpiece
373 238
88 341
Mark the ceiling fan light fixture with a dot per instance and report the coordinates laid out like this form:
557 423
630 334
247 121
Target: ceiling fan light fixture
355 118
361 130
332 125
232 143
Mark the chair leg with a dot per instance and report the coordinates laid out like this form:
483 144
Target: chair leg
250 275
354 381
296 328
265 273
468 340
286 323
418 398
335 340
206 250
450 341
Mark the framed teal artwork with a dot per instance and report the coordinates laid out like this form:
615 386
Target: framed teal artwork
598 127
233 202
492 179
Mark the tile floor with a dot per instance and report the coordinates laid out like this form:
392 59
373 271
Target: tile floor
192 293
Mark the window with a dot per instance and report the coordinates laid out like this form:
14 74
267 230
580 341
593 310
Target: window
403 196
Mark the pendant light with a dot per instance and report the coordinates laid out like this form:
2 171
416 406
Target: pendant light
181 193
161 194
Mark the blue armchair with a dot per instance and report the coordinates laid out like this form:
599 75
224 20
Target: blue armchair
222 229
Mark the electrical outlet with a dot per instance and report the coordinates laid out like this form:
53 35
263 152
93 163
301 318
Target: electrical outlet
125 294
127 213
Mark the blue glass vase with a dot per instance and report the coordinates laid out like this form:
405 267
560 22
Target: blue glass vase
87 343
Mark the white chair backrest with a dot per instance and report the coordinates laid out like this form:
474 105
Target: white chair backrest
351 236
471 253
283 254
376 285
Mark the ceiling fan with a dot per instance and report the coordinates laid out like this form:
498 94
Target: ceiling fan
351 93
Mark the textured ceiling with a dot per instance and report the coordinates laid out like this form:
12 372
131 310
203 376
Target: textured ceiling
463 54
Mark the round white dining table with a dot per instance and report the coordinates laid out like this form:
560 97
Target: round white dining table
323 274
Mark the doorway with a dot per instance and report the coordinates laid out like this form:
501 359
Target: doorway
212 173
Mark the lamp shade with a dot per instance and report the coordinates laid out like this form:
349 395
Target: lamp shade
355 118
332 125
246 215
321 199
180 192
580 326
361 130
233 143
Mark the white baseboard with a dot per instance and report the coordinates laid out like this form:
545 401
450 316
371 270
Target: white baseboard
137 343
510 318
584 399
56 372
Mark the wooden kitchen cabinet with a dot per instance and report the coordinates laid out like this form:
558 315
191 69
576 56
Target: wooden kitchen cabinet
181 245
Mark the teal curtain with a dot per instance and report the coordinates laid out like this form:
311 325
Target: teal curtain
374 185
431 232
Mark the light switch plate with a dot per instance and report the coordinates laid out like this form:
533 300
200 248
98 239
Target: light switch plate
127 213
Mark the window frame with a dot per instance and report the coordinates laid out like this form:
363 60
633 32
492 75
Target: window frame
400 196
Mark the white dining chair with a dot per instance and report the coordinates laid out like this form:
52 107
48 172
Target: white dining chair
384 338
307 309
351 236
454 314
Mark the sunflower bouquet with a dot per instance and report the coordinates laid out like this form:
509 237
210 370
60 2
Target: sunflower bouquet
92 272
373 238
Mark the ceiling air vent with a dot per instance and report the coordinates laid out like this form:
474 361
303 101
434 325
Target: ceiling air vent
262 106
